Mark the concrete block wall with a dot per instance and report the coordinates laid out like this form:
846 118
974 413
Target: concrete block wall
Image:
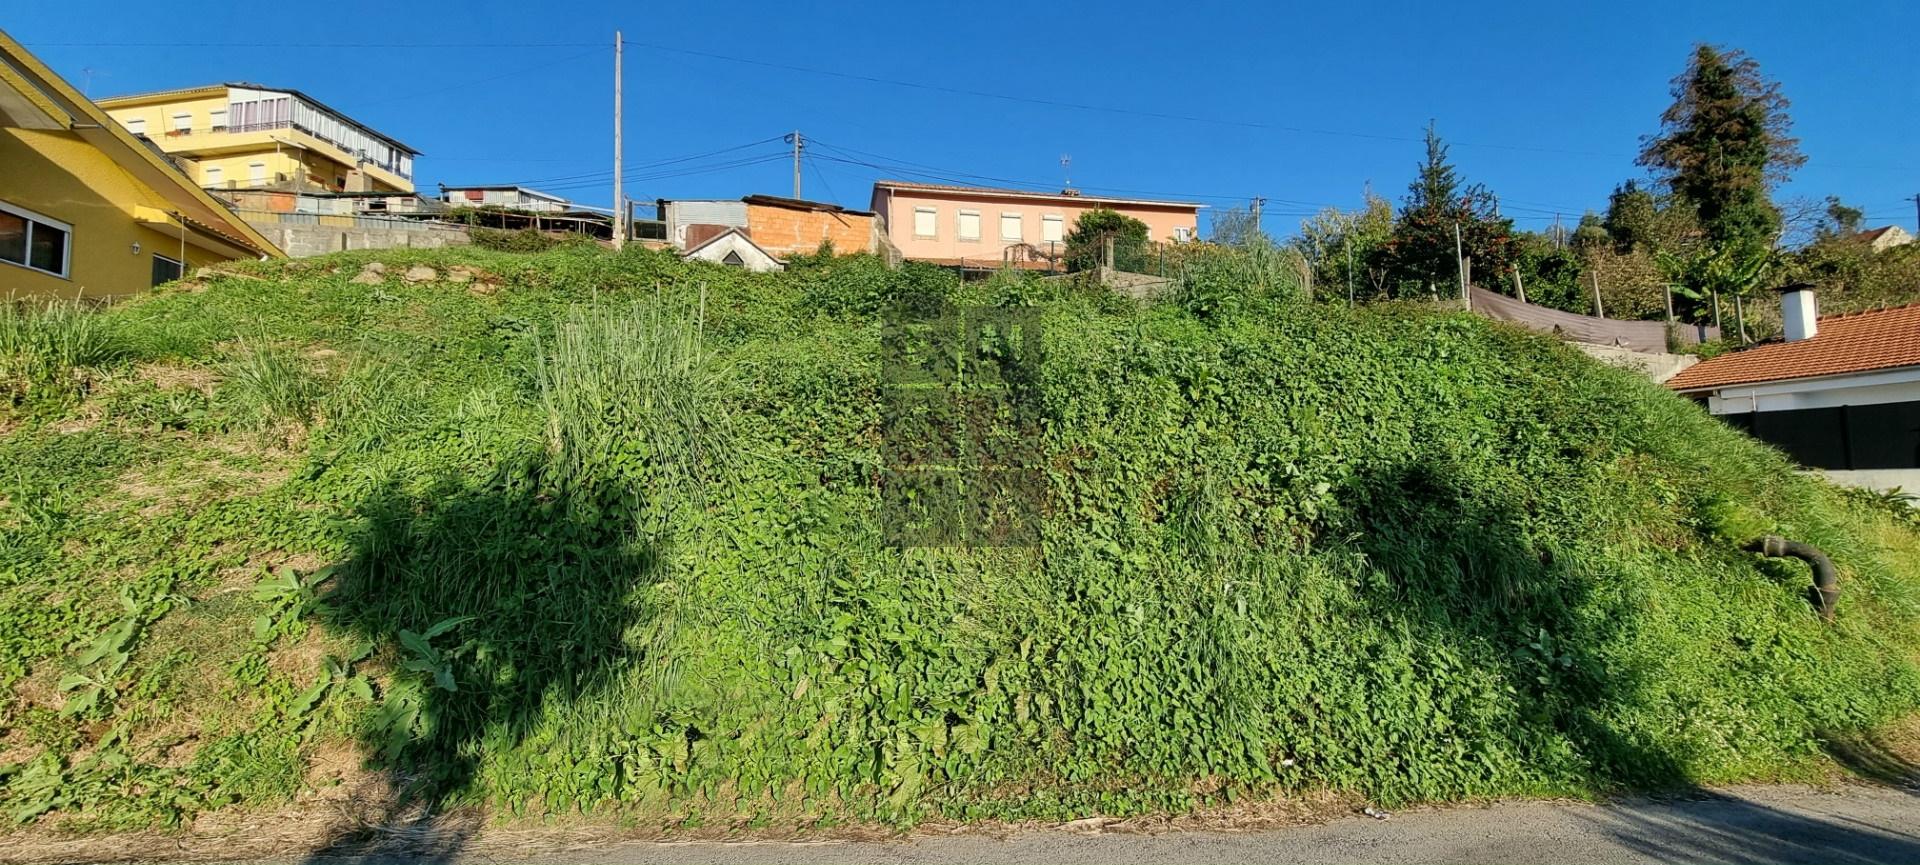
300 241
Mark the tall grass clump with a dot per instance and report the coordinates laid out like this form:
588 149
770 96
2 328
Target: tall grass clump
44 346
634 401
265 385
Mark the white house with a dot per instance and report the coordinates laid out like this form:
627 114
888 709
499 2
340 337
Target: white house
1840 394
732 247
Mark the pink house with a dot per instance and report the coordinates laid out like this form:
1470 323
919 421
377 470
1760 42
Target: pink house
956 225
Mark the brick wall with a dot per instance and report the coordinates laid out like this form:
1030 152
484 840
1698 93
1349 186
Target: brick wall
784 231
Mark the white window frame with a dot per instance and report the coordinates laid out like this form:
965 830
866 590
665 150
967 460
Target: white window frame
1053 228
960 225
933 220
256 172
137 125
182 121
212 176
1019 227
217 118
66 250
1182 234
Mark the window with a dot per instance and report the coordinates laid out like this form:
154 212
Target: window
30 240
257 172
1052 228
733 259
968 225
217 118
213 176
924 220
166 270
1009 226
137 125
182 123
1182 233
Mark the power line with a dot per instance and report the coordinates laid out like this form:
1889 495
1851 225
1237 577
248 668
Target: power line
1079 106
901 166
608 175
328 46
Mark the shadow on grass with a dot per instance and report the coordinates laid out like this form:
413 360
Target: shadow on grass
1890 758
1461 570
533 597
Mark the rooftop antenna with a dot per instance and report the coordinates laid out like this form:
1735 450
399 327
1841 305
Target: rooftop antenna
1066 169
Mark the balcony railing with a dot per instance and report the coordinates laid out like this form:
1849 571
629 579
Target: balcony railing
284 124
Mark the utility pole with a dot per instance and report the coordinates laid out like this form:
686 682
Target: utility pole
1599 311
619 198
1916 213
1257 201
794 138
1460 259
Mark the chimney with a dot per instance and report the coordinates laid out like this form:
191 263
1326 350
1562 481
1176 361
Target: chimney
1798 311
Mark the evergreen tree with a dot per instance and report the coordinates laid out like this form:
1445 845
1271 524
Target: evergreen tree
1420 254
1723 146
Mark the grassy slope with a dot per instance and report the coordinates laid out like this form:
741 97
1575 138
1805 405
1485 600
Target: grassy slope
1407 555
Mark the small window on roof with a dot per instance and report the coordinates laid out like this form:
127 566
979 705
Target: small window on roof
733 259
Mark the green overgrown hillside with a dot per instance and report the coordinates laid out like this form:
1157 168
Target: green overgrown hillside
583 531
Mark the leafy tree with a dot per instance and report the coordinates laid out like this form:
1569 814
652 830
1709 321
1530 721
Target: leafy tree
1592 233
1723 146
1335 240
1086 244
1235 226
1842 220
1551 269
1420 254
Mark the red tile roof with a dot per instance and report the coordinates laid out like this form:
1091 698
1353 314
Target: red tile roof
1860 342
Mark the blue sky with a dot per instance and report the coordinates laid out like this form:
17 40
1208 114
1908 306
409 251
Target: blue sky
1303 104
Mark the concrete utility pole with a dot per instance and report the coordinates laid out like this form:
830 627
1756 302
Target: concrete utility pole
1916 213
1599 309
798 141
619 199
1257 202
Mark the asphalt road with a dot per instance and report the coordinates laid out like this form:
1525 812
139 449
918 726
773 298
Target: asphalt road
1855 824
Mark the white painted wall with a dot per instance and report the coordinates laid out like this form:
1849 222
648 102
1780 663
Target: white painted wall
1880 480
1867 388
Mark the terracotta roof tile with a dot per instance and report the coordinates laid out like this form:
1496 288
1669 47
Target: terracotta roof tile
1860 342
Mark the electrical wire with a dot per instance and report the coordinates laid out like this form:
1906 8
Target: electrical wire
1080 106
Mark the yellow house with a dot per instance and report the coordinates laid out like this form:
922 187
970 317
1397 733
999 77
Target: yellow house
87 209
249 136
